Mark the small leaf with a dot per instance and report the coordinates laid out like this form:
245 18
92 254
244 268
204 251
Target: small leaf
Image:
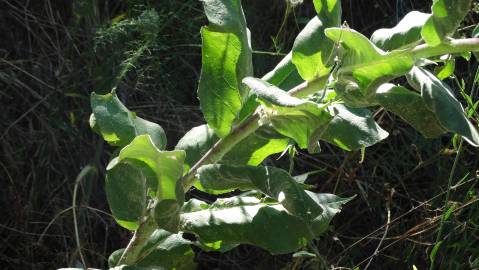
447 70
364 62
118 126
246 220
405 33
446 17
439 99
411 108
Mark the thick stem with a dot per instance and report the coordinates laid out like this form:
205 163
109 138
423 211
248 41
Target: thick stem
138 241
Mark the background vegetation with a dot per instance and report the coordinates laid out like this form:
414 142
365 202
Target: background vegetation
53 53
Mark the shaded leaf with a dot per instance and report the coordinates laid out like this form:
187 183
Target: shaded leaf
446 17
405 33
411 108
439 99
285 75
117 125
246 220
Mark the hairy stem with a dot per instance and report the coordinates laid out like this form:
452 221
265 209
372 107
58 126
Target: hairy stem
138 241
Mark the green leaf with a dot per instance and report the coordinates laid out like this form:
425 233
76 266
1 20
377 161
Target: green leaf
349 128
313 53
218 90
446 17
285 75
247 220
167 165
447 70
162 250
439 99
351 94
250 151
411 108
117 125
405 33
365 63
292 117
125 187
226 59
274 182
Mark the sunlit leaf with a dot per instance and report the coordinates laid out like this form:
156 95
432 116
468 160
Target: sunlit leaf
405 33
117 125
446 17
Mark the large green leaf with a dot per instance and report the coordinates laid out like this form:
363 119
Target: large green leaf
439 99
446 17
365 63
151 169
405 33
248 220
226 59
411 108
313 53
125 187
274 182
349 128
162 250
117 125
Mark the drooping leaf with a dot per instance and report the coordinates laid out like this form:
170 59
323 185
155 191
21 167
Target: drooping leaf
411 108
226 59
117 125
446 17
126 185
405 33
274 182
439 99
349 128
368 65
162 250
196 143
350 92
246 220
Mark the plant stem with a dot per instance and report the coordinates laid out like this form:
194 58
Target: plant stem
449 185
137 242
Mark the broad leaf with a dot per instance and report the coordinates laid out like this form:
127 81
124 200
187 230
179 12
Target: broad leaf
125 187
365 63
274 182
292 117
411 108
349 128
439 99
226 59
285 75
247 220
405 33
313 53
167 168
117 125
162 250
250 151
446 17
350 92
